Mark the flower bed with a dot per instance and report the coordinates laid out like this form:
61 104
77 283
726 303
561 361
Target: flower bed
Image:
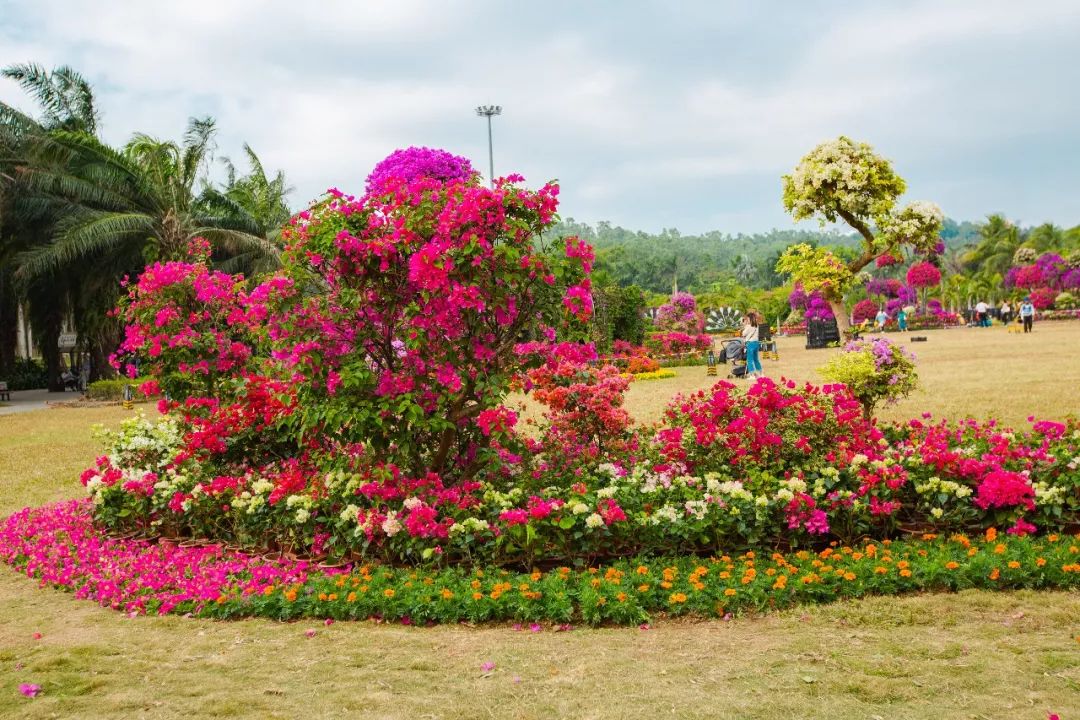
59 546
652 375
778 464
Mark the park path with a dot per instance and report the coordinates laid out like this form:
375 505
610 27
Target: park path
27 400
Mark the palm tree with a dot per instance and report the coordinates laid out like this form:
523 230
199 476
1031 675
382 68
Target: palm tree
132 205
252 203
65 102
1000 239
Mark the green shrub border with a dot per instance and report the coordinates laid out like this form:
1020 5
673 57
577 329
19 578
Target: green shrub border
636 590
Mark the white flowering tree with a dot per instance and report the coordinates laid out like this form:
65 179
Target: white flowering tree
846 180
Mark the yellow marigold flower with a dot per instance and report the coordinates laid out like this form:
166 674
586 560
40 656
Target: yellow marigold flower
268 590
770 572
725 575
730 592
351 597
1014 564
665 584
595 582
601 600
643 588
677 598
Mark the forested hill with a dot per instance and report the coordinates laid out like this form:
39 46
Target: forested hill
650 261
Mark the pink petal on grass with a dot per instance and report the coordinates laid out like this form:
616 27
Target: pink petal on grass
310 632
30 690
487 667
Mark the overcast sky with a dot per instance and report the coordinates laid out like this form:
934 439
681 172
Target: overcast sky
651 114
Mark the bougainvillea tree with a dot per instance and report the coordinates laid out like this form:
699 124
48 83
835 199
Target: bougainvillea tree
389 332
680 314
844 180
922 276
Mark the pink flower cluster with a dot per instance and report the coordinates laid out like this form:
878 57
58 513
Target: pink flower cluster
59 546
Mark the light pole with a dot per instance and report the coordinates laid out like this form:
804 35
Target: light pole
490 111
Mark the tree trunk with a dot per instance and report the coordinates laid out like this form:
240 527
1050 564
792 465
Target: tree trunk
50 349
843 322
9 325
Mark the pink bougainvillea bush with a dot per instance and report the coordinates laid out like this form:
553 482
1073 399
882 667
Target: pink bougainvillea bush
680 315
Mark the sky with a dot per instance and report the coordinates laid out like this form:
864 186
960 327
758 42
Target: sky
651 115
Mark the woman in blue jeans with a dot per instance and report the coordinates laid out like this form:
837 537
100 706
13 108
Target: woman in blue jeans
753 347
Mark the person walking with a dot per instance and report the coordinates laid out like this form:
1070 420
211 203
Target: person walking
881 318
753 346
1027 314
1006 313
981 309
901 320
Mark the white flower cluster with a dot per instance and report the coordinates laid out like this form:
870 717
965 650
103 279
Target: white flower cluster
917 223
937 486
849 173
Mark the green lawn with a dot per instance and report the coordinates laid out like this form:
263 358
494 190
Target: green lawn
972 655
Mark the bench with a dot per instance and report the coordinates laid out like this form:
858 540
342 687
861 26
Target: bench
5 394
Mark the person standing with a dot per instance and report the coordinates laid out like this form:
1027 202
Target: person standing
980 313
901 320
1027 314
881 318
1006 313
753 346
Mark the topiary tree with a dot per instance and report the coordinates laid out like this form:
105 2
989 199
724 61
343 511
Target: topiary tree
874 371
846 180
922 276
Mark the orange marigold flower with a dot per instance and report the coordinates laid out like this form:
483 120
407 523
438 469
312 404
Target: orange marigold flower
849 576
536 576
1014 564
972 552
621 597
677 598
446 593
1040 561
389 592
929 536
322 597
991 534
730 592
595 582
905 573
332 597
995 574
951 565
601 600
643 588
477 596
725 575
999 549
1053 537
351 597
881 570
666 585
642 570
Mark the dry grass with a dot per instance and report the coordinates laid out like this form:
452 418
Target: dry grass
973 655
976 372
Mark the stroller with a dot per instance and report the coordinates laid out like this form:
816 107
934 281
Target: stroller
735 353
